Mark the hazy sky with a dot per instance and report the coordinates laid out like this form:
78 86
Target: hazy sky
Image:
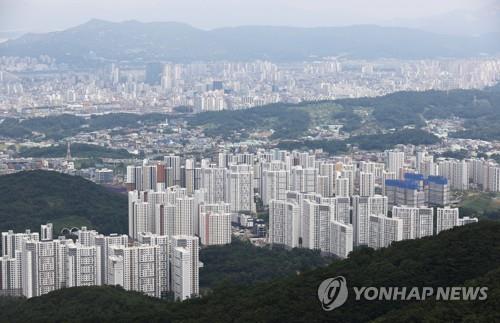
47 15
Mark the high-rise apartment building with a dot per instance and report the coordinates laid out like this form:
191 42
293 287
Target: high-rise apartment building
446 218
284 223
341 239
383 231
136 268
215 228
12 242
83 265
185 266
417 222
366 184
43 267
275 183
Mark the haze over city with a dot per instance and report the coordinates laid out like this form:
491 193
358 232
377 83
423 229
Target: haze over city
50 15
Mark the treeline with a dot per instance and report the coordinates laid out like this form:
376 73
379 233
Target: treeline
412 108
484 205
481 129
393 111
286 120
61 126
77 150
348 118
330 146
366 142
463 256
388 140
29 199
291 121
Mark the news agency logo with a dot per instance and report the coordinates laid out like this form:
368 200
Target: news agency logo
333 292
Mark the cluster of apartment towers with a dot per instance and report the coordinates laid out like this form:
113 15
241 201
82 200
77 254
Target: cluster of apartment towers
331 204
34 264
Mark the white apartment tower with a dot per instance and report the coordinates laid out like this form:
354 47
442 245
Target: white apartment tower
342 187
341 239
417 222
383 231
46 232
83 267
163 242
185 266
240 188
103 243
12 242
182 281
395 161
215 228
43 267
213 180
10 274
366 184
136 268
361 210
139 218
446 218
315 225
284 223
274 185
328 170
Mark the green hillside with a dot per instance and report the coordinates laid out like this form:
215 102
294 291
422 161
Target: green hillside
65 125
467 255
485 205
455 311
77 150
373 122
245 264
28 199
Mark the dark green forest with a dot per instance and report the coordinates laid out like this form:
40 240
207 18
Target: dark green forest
58 127
78 150
286 120
365 142
412 108
468 255
244 264
29 199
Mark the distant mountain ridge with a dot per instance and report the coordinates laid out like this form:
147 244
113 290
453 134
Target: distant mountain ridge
99 40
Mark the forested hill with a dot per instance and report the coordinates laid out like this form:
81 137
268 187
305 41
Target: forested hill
29 199
384 115
65 125
387 117
468 255
78 150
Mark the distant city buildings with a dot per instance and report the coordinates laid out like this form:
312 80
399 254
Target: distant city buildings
217 86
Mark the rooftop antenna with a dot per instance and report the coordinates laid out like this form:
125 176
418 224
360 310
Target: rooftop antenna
68 152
